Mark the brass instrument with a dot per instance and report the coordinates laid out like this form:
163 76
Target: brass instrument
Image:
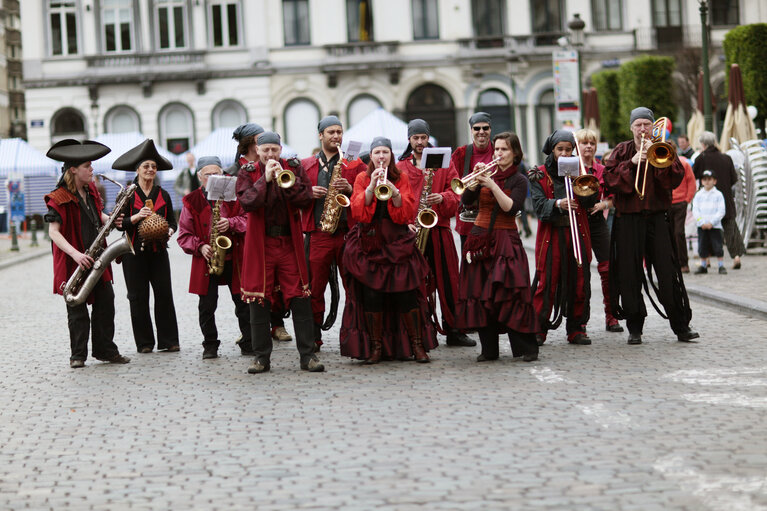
426 218
285 178
585 185
660 154
334 200
219 243
469 181
569 192
81 283
382 190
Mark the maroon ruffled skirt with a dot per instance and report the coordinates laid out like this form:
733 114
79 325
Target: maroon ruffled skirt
383 257
497 287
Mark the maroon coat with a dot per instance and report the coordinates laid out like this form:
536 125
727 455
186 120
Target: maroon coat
620 173
349 171
457 165
68 206
194 232
268 204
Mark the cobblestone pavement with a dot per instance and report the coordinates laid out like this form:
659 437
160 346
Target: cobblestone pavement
660 426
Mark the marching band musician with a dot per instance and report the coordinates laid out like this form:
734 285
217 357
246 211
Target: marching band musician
274 252
600 234
194 237
494 290
466 157
75 216
150 264
440 245
247 151
326 248
386 311
641 236
558 276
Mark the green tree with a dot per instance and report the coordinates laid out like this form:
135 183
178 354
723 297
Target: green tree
745 46
647 81
608 95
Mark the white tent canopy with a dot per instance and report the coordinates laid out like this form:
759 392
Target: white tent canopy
18 157
379 123
220 143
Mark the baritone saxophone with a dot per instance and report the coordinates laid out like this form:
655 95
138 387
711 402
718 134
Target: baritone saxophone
219 243
335 200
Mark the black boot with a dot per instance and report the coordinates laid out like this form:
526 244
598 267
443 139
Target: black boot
303 324
260 337
456 338
210 349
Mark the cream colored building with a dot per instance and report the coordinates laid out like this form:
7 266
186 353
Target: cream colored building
11 89
177 69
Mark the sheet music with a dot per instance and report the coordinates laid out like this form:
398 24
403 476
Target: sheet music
221 187
568 166
352 150
441 153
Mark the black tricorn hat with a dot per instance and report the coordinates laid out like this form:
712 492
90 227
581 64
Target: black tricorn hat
72 152
141 153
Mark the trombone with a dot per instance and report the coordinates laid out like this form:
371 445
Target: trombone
383 191
469 181
585 185
660 154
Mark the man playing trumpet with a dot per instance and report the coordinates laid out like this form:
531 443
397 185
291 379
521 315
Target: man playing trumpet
274 252
324 248
641 236
194 237
440 248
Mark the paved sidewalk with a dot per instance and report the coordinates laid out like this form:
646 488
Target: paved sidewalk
26 252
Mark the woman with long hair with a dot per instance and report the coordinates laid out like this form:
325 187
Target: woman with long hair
149 266
494 295
386 311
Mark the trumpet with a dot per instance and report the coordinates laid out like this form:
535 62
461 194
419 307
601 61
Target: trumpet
469 181
383 191
285 178
585 185
660 154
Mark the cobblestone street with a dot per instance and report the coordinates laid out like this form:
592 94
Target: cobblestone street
661 426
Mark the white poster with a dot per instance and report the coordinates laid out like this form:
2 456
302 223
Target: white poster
567 89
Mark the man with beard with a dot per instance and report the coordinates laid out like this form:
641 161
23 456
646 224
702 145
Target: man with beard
324 249
440 249
466 157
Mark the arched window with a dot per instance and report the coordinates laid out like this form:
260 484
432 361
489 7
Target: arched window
68 123
122 119
229 114
496 103
359 107
301 114
544 116
434 105
176 128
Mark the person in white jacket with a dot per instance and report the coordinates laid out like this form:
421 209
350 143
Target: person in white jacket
708 209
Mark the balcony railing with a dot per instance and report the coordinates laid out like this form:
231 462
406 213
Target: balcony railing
152 60
362 49
668 38
515 43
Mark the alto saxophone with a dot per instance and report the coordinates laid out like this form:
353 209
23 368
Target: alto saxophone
219 243
426 218
335 201
80 284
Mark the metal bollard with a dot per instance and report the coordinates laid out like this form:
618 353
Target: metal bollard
33 228
14 238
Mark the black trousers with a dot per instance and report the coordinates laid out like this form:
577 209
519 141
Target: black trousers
521 343
209 303
303 324
640 240
600 237
677 217
141 270
100 324
733 238
449 298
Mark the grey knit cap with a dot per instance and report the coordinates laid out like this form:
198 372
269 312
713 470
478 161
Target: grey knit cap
269 137
418 127
204 161
326 122
641 113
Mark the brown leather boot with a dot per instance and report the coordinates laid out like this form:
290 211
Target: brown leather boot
374 323
412 319
611 324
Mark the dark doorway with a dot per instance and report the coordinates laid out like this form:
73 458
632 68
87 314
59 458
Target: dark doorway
434 105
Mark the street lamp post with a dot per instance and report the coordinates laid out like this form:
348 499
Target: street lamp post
576 38
704 58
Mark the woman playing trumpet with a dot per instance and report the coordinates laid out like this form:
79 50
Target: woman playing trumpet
494 293
385 314
562 274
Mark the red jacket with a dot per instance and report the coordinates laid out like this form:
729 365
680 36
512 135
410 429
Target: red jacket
440 184
400 215
457 165
194 232
68 206
349 171
686 190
